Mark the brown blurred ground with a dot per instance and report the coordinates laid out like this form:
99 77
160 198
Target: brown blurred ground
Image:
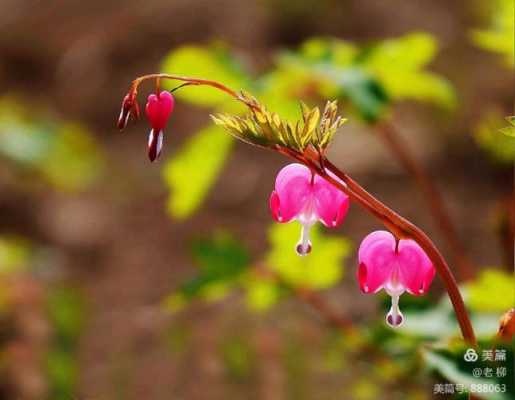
118 244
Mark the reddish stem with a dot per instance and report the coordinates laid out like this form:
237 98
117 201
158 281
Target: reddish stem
405 229
409 162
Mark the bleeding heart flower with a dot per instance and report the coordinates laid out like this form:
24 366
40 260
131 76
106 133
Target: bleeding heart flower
396 267
303 196
158 110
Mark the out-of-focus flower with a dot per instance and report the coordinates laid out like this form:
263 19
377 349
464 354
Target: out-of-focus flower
303 196
158 110
395 266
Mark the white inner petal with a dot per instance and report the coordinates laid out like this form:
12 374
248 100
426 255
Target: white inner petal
159 143
394 318
307 217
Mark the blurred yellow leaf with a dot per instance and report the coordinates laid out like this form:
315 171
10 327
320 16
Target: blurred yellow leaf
337 52
64 154
499 36
365 389
490 137
74 162
14 254
509 130
322 268
408 52
398 64
215 63
192 171
280 91
489 292
261 294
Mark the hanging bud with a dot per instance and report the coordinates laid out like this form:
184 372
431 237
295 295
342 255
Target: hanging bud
128 104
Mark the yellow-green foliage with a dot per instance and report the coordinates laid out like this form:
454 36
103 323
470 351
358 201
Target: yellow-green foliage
14 254
491 292
194 169
368 76
63 154
399 64
322 268
214 63
495 139
498 37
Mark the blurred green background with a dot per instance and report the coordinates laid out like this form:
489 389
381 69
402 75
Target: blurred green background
121 279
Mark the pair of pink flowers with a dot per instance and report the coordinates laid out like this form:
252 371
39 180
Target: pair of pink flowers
397 266
158 109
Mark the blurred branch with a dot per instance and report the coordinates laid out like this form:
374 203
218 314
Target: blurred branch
390 137
313 299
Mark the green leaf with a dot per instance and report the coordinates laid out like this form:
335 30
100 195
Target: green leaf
65 309
509 130
366 94
322 268
281 89
334 51
489 137
370 76
420 86
488 292
409 52
221 261
63 154
239 358
192 171
15 254
440 322
261 293
215 62
398 64
498 37
62 370
74 162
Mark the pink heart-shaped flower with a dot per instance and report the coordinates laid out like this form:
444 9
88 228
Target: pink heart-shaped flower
158 109
395 267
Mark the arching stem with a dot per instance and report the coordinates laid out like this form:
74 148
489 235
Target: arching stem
432 195
400 226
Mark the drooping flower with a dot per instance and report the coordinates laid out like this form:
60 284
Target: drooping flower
303 196
395 266
158 110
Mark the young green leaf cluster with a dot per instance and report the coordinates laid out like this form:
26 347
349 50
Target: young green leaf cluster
266 129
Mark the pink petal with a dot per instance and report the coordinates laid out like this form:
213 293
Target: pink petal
331 205
275 206
158 109
377 260
415 268
292 191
